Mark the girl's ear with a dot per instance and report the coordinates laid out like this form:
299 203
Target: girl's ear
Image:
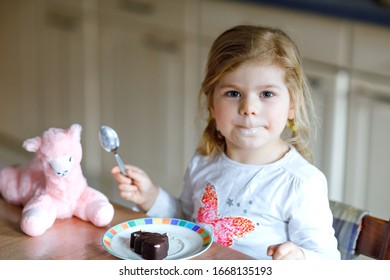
291 113
211 110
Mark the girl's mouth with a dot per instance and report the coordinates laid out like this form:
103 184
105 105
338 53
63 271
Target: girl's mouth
248 131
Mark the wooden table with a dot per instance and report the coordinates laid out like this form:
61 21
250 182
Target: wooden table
73 239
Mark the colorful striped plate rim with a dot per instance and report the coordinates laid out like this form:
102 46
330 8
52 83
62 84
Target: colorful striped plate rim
124 226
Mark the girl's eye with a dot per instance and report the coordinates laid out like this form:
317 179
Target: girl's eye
233 93
266 94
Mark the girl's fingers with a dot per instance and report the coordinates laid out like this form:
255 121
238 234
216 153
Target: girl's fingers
289 256
135 169
127 188
130 168
121 179
133 172
271 250
285 251
115 170
131 194
136 187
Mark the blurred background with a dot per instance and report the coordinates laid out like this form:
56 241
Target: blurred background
137 65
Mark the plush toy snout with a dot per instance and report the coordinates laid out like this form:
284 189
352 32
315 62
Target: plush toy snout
61 166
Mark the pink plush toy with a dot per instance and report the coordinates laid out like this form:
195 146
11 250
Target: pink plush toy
52 184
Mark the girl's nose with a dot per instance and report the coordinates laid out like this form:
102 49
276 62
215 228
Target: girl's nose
249 107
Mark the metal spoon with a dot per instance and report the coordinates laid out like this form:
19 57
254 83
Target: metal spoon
110 142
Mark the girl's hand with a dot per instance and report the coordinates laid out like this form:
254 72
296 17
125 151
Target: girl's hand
285 251
137 187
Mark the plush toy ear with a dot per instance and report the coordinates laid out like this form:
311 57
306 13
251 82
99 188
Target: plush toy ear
32 144
75 131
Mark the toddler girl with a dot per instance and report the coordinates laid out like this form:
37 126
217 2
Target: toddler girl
250 181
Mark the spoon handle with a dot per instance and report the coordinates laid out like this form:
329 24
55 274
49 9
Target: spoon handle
120 164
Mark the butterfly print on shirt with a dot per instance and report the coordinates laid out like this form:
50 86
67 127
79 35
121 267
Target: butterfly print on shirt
226 229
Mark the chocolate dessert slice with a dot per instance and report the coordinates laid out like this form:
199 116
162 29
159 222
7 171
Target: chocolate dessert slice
150 245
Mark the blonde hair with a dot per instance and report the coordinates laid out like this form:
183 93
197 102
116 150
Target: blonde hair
246 43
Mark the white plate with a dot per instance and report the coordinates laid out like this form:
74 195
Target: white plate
186 239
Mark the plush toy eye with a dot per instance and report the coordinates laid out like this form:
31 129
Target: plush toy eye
70 159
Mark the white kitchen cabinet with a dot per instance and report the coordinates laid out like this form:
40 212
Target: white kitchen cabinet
143 91
157 14
42 79
368 161
330 88
371 49
61 64
367 177
20 100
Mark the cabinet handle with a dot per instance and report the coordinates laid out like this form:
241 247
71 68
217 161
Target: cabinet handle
136 7
167 46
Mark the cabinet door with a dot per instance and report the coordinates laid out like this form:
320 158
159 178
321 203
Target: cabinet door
368 175
43 52
370 52
61 69
330 88
20 101
41 81
142 98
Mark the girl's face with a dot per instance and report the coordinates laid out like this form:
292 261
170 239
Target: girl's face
251 106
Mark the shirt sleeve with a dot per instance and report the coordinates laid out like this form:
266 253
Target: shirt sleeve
166 205
310 222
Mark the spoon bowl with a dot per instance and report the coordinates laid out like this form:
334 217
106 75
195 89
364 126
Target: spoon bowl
109 141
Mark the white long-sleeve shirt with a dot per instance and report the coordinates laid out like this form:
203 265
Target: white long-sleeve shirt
250 207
